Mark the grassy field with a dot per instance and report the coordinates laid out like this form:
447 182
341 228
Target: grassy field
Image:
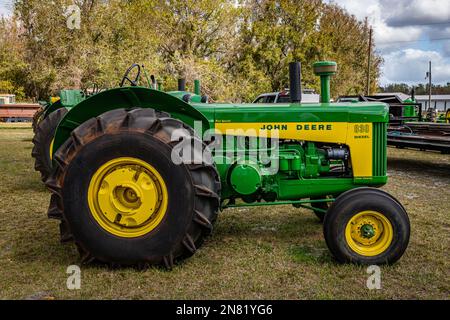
258 253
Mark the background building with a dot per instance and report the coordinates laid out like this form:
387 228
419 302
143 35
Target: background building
439 102
7 99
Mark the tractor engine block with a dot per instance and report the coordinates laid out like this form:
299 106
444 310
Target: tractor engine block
253 178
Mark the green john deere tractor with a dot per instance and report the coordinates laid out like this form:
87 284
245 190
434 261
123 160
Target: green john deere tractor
139 175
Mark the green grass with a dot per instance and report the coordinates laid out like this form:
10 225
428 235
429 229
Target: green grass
254 253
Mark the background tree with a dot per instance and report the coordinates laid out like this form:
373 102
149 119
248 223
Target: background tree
12 65
238 49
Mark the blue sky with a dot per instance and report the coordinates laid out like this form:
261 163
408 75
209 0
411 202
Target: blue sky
408 34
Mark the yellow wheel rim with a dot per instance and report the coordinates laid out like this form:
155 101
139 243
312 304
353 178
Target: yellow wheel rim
369 233
128 197
52 143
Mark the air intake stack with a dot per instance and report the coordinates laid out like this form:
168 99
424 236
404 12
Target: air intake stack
325 69
197 87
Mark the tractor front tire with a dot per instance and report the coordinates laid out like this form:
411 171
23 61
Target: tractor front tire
366 226
122 199
43 140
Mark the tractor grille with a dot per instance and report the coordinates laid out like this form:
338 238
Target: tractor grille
379 149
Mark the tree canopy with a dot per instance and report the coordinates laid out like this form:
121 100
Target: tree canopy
238 48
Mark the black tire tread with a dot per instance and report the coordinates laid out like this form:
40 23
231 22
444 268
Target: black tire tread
44 132
205 177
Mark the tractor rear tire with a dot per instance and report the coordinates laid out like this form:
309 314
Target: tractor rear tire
142 137
366 226
43 138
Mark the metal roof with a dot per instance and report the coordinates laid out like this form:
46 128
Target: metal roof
433 97
421 97
401 95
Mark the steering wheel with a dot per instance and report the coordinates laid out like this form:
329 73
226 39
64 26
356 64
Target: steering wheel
134 82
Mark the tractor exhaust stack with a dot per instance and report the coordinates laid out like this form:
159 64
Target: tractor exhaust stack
181 84
295 79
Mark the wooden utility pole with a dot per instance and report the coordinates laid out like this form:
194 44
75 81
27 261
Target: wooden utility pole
369 58
429 86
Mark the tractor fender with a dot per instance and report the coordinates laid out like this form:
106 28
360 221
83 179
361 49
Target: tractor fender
126 98
67 99
52 108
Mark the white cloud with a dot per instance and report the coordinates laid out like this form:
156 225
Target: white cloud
360 9
411 65
376 13
416 12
